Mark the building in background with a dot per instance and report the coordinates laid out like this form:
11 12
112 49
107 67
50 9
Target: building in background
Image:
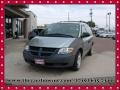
31 22
17 19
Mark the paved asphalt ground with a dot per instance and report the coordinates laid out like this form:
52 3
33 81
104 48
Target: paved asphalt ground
101 65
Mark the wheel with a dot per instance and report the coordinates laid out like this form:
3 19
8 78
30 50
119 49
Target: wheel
77 62
90 52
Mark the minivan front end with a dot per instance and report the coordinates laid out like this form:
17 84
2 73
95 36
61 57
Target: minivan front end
53 47
49 57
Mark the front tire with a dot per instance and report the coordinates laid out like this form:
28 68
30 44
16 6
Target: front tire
77 62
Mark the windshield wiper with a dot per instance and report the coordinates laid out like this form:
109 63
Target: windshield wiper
58 35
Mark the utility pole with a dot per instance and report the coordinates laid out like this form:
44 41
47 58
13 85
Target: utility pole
109 19
68 16
91 13
106 20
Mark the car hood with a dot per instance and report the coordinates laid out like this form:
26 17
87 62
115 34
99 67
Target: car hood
56 42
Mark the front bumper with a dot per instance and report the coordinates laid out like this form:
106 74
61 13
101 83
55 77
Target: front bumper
56 60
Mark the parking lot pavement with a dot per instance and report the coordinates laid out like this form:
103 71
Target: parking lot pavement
100 65
104 44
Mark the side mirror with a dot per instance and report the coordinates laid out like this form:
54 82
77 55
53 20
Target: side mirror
85 34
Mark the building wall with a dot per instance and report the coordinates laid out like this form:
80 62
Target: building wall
31 22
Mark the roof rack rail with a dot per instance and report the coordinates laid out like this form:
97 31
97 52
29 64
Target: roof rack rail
74 21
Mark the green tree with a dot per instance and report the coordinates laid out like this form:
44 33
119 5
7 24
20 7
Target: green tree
91 24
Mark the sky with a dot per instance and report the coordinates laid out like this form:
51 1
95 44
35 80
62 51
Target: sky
47 14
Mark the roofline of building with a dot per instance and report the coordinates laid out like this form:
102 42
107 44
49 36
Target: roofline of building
32 13
18 5
19 12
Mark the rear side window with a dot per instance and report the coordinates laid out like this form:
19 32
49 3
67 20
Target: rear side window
88 29
83 29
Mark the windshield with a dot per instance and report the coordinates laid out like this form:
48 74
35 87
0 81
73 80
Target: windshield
62 30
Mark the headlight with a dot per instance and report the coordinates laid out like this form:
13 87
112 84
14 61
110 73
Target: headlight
26 47
65 50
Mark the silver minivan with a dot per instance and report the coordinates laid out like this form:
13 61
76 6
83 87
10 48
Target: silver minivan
61 44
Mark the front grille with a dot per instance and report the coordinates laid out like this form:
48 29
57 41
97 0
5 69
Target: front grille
42 51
